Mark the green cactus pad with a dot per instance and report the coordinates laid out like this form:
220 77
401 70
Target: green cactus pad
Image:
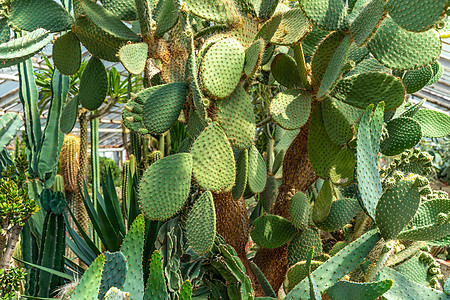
93 84
312 40
67 54
415 80
269 194
163 105
213 160
99 42
291 109
434 124
201 224
297 273
294 27
404 133
344 262
284 70
368 65
235 115
164 187
221 67
265 8
20 49
329 57
133 121
328 15
336 123
342 170
133 57
133 248
358 290
415 269
416 16
215 10
114 272
341 213
69 115
108 22
241 175
370 88
418 49
89 284
186 291
192 78
30 15
123 9
404 288
5 31
367 21
253 57
156 287
271 231
321 150
367 175
425 226
166 17
322 204
300 210
257 176
338 247
300 246
389 218
438 70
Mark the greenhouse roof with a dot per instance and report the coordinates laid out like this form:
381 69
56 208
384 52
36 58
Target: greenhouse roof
110 129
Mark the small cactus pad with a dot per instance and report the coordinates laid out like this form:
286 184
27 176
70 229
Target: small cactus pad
434 124
418 49
342 169
284 70
31 15
257 176
124 9
166 17
114 272
368 65
327 57
403 287
367 21
271 231
404 133
253 57
269 28
294 26
359 290
69 115
99 42
241 174
89 285
67 53
396 208
336 122
297 273
321 150
214 10
201 224
93 84
221 67
328 15
186 291
214 166
109 22
163 105
367 175
438 70
416 269
416 16
133 248
270 193
370 88
300 210
235 115
156 287
164 187
323 201
415 80
291 108
337 266
341 213
133 57
300 246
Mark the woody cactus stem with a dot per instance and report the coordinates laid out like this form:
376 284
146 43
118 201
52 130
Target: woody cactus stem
81 213
298 175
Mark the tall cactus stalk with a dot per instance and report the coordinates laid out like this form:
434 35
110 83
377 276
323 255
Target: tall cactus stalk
81 213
